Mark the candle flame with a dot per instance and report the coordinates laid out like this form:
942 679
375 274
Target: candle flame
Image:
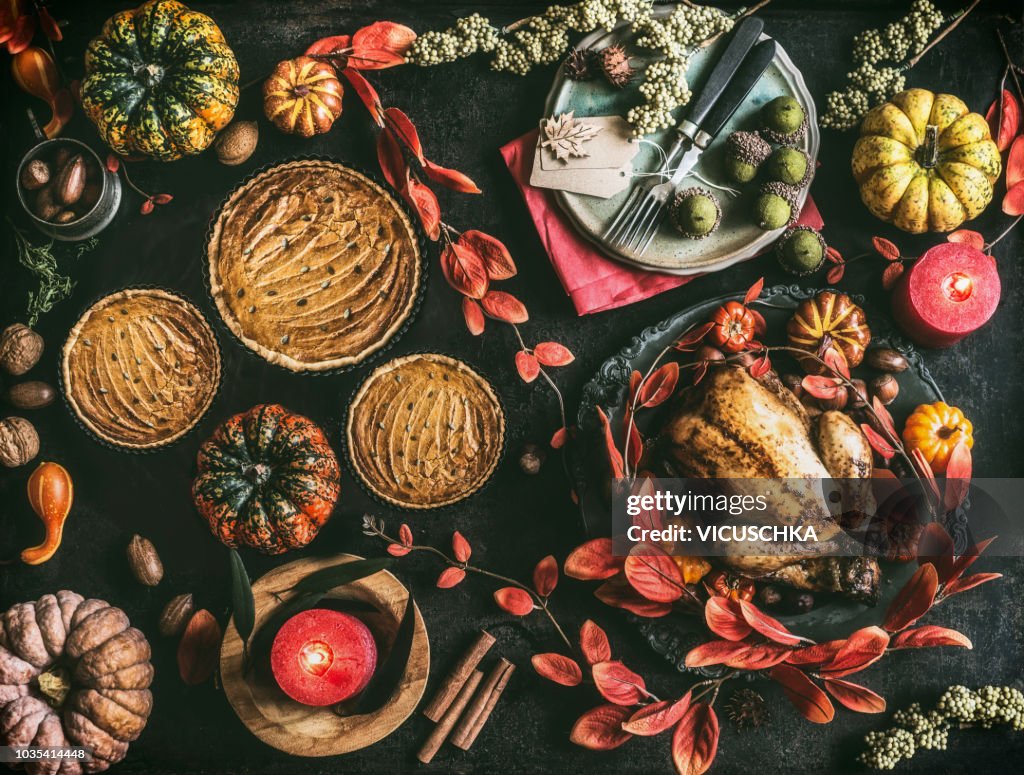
316 657
958 286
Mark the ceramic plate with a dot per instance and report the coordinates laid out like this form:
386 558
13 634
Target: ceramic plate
737 238
608 390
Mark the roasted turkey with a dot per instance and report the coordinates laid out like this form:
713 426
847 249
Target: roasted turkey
738 428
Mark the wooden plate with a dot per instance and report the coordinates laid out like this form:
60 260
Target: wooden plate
299 729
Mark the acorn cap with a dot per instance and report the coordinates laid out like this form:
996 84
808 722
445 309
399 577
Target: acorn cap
790 193
680 214
794 138
749 147
799 255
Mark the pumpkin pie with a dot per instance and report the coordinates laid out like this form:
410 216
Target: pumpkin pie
140 368
314 266
425 431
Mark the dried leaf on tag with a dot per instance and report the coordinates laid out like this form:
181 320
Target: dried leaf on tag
564 136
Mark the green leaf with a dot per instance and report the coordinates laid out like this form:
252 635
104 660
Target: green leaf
388 676
338 575
242 600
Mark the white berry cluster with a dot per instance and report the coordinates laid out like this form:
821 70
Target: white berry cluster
871 84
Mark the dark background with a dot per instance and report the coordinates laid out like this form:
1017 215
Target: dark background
464 112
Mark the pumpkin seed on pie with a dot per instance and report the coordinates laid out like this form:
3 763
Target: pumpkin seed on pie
140 368
314 266
425 431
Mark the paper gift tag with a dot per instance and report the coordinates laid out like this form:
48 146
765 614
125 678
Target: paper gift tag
608 148
599 183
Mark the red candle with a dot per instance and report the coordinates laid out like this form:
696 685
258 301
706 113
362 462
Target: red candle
951 291
321 657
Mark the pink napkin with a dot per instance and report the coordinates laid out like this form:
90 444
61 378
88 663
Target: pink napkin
594 282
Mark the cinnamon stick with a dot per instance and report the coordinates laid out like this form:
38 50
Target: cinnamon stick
457 678
479 711
447 722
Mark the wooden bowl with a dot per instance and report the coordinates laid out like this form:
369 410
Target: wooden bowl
302 730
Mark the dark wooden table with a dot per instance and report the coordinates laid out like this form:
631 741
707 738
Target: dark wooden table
464 112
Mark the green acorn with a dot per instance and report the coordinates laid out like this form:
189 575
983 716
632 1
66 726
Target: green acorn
789 165
801 250
775 206
695 212
744 153
784 121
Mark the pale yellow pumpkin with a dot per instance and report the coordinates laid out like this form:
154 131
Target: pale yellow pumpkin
925 162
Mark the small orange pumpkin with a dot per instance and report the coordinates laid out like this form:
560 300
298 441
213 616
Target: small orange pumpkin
936 429
833 315
693 569
302 96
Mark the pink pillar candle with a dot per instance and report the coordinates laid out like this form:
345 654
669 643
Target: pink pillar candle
948 293
322 657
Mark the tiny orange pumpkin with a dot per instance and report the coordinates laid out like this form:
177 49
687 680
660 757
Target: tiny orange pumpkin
936 429
692 568
302 96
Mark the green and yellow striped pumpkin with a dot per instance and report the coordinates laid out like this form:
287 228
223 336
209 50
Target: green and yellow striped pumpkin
160 81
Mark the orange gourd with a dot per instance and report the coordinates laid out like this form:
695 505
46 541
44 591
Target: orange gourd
936 429
693 569
50 493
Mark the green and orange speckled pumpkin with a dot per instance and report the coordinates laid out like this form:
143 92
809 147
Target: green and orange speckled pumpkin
160 81
268 479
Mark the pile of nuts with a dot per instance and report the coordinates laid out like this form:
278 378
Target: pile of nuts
20 350
62 187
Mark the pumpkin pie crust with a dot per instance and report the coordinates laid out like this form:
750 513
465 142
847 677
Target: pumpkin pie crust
425 431
314 266
140 368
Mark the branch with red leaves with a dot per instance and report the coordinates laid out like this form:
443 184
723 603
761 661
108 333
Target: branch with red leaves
115 164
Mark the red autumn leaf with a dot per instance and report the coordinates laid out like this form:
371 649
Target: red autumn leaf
634 441
405 535
514 600
936 546
424 201
836 361
967 559
460 547
48 24
691 339
505 306
147 206
397 550
833 255
163 199
964 583
113 163
558 668
725 619
805 695
760 325
835 274
761 366
695 741
655 718
617 683
592 561
1013 202
753 292
366 93
545 576
559 438
928 636
759 656
635 378
878 444
594 643
1003 118
714 652
699 372
967 236
600 728
614 456
659 386
958 477
1014 164
335 45
619 594
884 417
527 366
818 654
450 577
497 259
818 386
925 470
464 270
862 649
914 600
381 45
653 574
854 696
553 354
399 124
892 273
392 160
21 34
199 648
449 178
885 248
475 320
771 628
650 518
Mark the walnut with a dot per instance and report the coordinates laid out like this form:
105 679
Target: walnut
19 442
20 349
236 143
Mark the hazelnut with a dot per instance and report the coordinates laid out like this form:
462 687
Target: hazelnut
886 359
859 397
770 595
885 388
30 395
803 602
794 382
45 206
837 402
531 459
36 174
19 442
20 349
708 353
70 181
237 142
66 216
